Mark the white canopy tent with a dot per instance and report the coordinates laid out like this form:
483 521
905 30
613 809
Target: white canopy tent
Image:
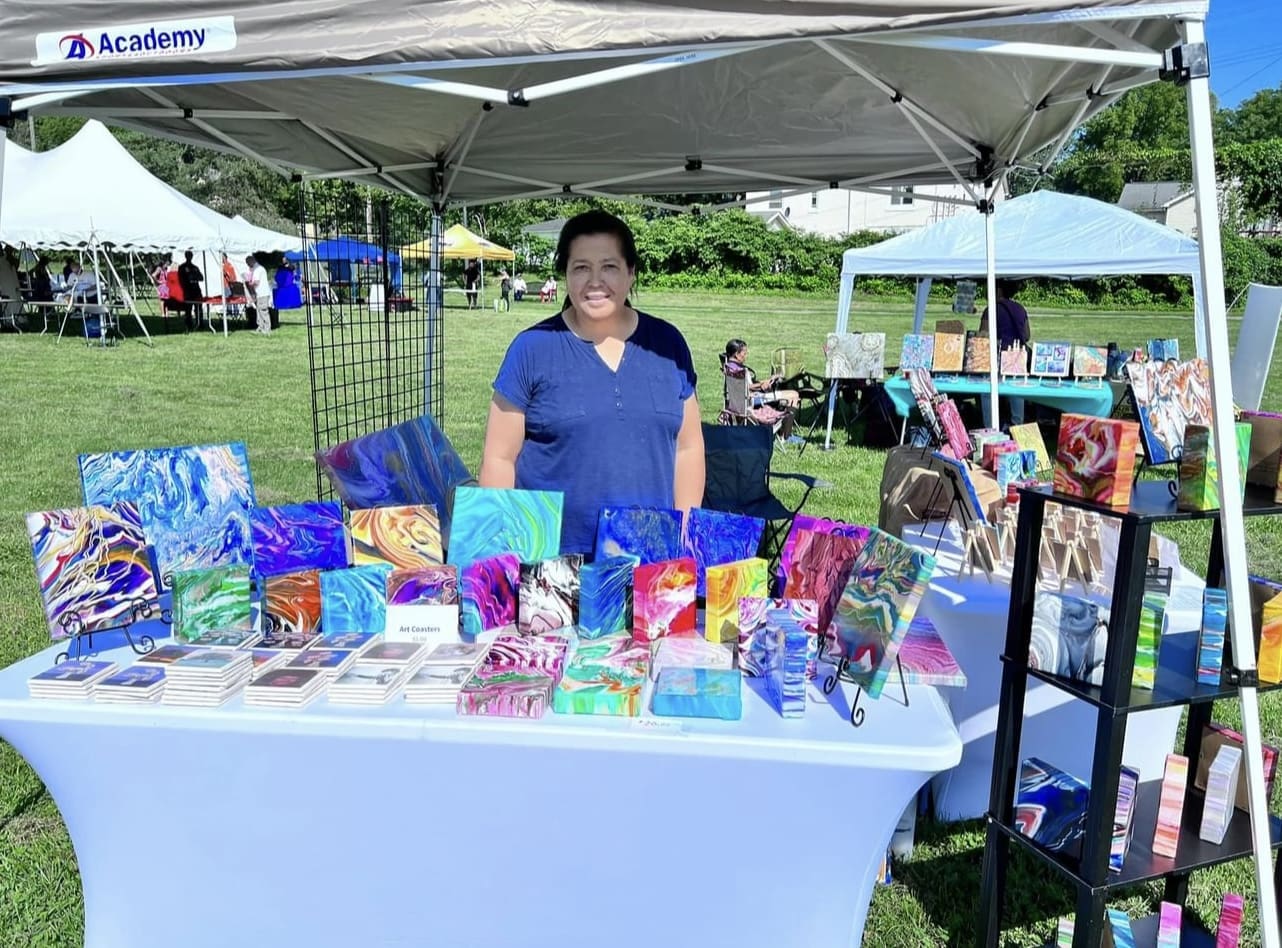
672 97
1042 234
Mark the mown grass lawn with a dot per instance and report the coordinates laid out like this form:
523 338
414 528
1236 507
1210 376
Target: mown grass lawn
61 400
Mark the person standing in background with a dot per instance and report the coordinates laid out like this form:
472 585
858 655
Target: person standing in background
472 283
260 288
190 279
1012 330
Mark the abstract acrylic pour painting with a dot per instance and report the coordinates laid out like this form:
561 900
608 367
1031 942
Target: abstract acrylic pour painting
292 605
296 537
548 597
877 606
408 536
651 534
437 585
1052 359
409 463
211 600
354 600
918 352
815 525
194 501
820 566
489 593
855 355
605 596
663 600
92 566
759 620
727 584
490 521
713 537
1169 396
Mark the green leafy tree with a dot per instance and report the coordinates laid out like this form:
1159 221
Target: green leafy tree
1257 119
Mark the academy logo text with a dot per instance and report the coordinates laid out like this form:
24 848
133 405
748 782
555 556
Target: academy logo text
194 38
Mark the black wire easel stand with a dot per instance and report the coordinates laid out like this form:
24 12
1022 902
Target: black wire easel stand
841 672
81 639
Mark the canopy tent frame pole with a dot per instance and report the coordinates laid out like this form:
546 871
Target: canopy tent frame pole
129 300
990 278
365 170
355 155
1228 485
994 47
217 133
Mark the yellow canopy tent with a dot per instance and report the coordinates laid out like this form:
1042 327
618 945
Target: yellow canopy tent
460 244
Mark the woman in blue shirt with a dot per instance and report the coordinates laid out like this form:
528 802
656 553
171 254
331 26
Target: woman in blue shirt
599 400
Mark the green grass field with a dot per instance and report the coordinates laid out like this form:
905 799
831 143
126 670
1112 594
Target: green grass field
61 400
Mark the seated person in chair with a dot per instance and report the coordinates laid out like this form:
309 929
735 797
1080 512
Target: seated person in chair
768 405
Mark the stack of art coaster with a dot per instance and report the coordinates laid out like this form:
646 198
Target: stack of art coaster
406 655
330 662
166 654
1170 811
516 677
267 659
286 688
1050 806
1128 785
357 642
1221 789
368 683
137 684
441 676
1228 932
675 652
70 680
545 653
605 676
698 693
227 638
207 678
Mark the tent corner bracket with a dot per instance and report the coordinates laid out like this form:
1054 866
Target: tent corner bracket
1184 62
517 99
1244 677
694 163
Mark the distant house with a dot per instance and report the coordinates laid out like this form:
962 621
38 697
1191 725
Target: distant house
1167 202
833 212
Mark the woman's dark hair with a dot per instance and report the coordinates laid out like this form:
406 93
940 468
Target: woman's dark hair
588 224
734 347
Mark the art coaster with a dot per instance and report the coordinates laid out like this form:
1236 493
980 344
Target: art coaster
295 537
651 534
1052 359
759 619
292 605
1168 397
950 352
406 464
713 537
1090 362
492 521
855 355
819 570
194 502
886 585
663 599
408 536
92 566
490 593
727 584
1095 459
815 525
918 352
605 596
548 597
1029 438
355 599
211 600
978 360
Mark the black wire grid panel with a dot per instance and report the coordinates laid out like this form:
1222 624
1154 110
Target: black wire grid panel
375 344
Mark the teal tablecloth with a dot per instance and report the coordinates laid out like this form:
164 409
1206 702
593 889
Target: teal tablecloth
1082 398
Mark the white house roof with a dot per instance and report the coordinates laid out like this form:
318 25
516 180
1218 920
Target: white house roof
1152 195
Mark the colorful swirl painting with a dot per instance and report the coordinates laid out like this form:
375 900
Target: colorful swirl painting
820 567
292 603
713 537
785 667
727 584
1095 459
428 585
887 583
409 463
815 525
407 536
92 566
1168 397
651 534
605 596
194 501
925 658
548 597
918 352
759 618
489 588
698 693
211 600
355 599
490 521
606 677
1050 806
294 537
506 693
663 600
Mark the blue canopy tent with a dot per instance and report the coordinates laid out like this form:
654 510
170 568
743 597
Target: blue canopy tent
340 253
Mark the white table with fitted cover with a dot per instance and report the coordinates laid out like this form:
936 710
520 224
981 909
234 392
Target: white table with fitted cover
970 614
405 826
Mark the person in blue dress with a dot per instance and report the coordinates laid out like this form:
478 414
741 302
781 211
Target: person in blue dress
599 400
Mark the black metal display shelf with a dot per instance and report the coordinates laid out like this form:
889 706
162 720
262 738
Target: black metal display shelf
1151 502
1145 931
1141 865
1175 684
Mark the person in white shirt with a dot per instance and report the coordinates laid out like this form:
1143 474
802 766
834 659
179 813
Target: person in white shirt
519 289
82 285
260 288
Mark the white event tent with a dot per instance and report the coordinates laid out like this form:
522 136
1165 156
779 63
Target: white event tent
460 106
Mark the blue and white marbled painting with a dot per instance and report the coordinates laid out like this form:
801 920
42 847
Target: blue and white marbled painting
714 538
1050 806
490 521
355 600
194 501
295 537
651 534
605 596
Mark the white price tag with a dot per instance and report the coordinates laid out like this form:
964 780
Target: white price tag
656 725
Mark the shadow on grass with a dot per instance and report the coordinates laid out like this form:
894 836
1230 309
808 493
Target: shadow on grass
24 804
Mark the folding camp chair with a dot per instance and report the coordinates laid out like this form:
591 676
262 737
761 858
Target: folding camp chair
739 481
737 406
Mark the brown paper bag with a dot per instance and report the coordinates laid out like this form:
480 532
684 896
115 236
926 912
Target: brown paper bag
1266 445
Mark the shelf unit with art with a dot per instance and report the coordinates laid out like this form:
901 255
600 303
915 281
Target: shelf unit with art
1175 683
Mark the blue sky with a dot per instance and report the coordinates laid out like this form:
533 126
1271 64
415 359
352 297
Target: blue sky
1243 42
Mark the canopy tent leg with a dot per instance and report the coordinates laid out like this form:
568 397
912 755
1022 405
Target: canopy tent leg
1195 73
990 254
845 300
919 307
434 306
123 291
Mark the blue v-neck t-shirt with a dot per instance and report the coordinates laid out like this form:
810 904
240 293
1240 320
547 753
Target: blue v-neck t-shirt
603 437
